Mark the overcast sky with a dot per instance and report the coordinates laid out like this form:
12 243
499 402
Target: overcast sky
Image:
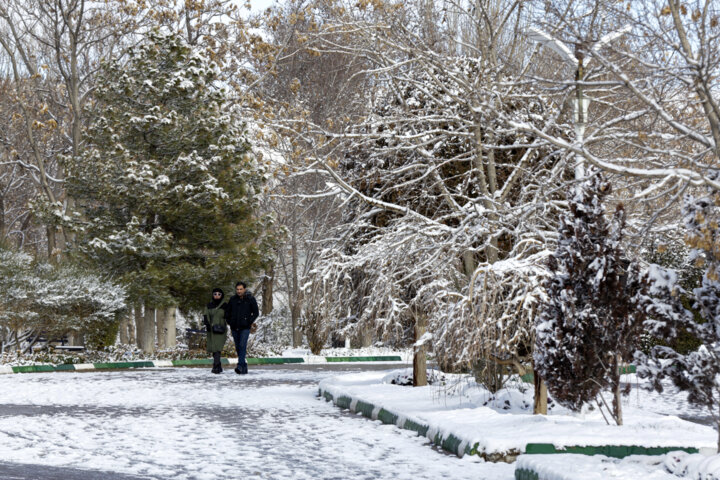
260 5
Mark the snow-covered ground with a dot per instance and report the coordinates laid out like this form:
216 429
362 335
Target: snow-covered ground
671 466
190 424
505 423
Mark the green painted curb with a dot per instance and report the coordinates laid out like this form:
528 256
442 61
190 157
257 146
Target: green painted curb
472 450
416 427
364 408
273 360
450 444
119 365
387 417
524 474
614 451
628 369
192 362
65 367
33 368
387 358
343 402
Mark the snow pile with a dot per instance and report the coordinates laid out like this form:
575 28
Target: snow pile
693 465
404 377
596 467
503 423
656 467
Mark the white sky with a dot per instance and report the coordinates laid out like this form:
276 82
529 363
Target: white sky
260 5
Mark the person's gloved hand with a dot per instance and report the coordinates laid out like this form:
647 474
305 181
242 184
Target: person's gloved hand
206 322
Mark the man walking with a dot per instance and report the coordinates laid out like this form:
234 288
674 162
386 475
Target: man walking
241 312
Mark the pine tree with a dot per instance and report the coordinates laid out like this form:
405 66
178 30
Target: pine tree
589 322
167 184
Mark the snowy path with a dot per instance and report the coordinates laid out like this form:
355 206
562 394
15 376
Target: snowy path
189 424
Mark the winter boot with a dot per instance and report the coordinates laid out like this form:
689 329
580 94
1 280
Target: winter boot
244 369
238 370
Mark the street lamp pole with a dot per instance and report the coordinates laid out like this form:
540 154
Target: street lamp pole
576 60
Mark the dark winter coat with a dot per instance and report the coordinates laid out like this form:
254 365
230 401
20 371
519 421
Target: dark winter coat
215 314
242 311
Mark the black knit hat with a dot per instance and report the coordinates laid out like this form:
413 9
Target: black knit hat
216 289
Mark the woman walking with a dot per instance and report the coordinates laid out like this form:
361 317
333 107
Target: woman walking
214 320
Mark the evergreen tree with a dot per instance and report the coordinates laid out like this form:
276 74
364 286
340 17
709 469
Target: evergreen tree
590 321
167 184
697 372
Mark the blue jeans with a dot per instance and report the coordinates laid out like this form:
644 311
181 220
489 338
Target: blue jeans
241 340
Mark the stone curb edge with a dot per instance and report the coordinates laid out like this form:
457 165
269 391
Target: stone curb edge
452 443
82 367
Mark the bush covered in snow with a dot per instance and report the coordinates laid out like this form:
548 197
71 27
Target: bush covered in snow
40 299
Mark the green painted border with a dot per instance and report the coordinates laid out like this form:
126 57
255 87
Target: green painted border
387 417
524 474
450 444
386 358
33 368
274 360
192 362
65 367
416 427
365 408
614 451
120 365
343 402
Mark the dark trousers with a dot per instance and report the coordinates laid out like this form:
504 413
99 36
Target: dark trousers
241 340
217 365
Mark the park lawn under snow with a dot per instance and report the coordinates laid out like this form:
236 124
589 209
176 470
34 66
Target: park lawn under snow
505 423
600 467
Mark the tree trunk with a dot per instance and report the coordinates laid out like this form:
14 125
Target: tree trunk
267 290
169 330
469 263
419 361
540 404
75 339
295 307
124 329
160 328
52 245
295 320
366 337
617 397
139 319
617 405
2 218
146 335
132 328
